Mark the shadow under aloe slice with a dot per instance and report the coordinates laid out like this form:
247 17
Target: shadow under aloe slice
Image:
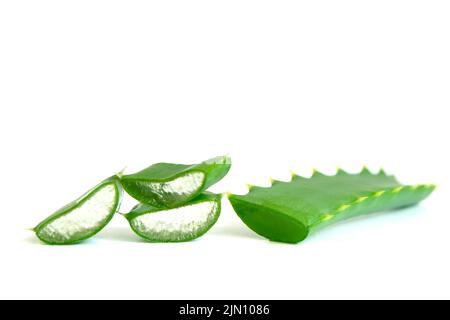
170 185
183 223
289 211
84 217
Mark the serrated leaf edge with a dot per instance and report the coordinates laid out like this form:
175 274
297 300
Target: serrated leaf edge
315 173
360 199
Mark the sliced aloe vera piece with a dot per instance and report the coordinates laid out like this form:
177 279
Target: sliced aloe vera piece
183 223
170 185
84 217
289 211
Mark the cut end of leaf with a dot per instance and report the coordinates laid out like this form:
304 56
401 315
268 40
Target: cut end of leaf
167 193
170 185
179 224
268 223
83 218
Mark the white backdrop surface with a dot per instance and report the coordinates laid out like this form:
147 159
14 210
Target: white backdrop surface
88 87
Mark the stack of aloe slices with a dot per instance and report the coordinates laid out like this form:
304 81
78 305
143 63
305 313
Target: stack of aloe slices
174 204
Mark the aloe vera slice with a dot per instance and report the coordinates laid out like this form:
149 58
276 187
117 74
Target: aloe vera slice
170 185
84 217
183 223
289 211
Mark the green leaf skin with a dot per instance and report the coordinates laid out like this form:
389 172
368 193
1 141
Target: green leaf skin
289 211
78 220
169 185
183 223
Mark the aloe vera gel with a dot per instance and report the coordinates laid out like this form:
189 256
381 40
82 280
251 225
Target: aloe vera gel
84 217
170 185
173 204
183 223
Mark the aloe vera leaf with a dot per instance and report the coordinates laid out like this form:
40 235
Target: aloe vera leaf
170 185
183 223
84 217
289 211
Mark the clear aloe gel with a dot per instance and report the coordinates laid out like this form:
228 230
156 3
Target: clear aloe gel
182 223
84 217
170 185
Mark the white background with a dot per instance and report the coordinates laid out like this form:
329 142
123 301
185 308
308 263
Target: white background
87 87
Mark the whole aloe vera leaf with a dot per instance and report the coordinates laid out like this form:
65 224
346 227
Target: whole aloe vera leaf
289 211
84 217
169 185
183 223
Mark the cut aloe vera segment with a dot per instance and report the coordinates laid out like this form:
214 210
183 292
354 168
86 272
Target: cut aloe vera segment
84 217
170 185
289 211
183 223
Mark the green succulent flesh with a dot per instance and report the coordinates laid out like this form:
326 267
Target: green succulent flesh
84 217
289 211
182 223
170 185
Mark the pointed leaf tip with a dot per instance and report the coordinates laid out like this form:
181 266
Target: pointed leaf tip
226 159
120 174
127 216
